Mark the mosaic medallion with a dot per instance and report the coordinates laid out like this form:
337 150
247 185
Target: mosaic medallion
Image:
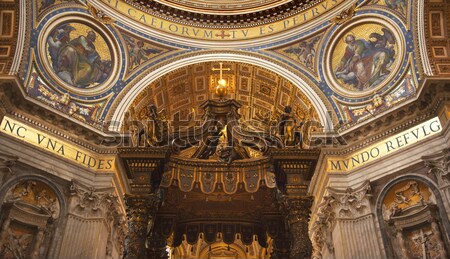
364 57
79 55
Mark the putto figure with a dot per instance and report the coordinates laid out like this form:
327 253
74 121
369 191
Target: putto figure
76 61
366 63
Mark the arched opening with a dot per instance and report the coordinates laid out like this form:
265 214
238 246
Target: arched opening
288 75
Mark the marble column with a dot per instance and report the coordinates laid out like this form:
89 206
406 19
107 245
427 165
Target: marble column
298 213
137 217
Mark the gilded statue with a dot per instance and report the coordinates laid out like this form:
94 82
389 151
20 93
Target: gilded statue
131 127
154 125
286 126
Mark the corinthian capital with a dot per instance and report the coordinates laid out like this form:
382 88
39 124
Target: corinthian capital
87 201
439 165
351 202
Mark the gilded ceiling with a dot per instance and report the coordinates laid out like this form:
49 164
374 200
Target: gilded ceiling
262 93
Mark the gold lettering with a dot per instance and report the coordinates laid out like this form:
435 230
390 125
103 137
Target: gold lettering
207 34
13 127
384 148
59 147
335 165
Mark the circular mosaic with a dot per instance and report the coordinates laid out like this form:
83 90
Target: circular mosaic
364 57
79 55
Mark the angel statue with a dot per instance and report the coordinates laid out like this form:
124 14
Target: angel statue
154 125
130 126
286 126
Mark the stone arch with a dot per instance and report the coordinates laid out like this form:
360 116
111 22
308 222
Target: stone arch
14 181
438 200
310 93
33 209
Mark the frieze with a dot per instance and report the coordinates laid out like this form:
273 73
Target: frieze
54 145
384 147
425 108
215 32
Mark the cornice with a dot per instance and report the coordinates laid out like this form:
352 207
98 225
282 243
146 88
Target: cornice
15 105
427 105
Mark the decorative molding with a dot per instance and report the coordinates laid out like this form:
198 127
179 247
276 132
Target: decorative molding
422 41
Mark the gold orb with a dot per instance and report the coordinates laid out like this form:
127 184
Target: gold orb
222 82
221 90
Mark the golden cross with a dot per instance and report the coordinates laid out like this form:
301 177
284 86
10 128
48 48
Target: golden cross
220 69
223 35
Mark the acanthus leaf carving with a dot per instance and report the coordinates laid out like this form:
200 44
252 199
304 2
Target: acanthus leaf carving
88 201
348 203
439 165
